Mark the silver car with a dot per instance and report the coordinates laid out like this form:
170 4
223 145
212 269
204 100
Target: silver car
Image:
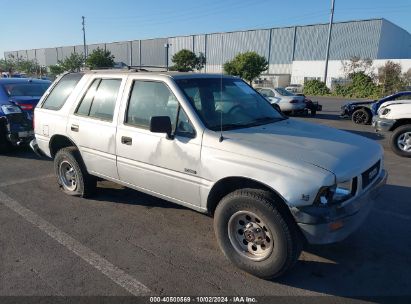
213 144
287 101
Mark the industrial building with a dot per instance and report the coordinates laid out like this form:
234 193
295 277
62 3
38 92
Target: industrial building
294 53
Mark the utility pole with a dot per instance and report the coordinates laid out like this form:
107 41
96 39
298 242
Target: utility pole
329 40
84 39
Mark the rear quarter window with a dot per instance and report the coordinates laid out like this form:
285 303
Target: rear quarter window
61 91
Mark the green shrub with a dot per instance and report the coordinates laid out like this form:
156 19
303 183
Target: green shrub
315 87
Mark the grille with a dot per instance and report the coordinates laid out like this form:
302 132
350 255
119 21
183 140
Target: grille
370 175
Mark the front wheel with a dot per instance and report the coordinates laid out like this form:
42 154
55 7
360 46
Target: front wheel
71 173
361 117
255 234
401 141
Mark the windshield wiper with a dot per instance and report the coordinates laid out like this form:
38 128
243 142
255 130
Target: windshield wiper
265 120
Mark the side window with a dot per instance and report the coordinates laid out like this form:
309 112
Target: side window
184 126
148 99
267 93
100 99
61 91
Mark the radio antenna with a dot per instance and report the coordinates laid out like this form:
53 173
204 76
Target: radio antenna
221 92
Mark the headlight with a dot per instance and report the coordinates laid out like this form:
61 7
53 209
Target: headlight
337 193
385 111
10 109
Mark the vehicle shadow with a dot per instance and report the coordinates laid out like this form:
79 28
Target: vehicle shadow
114 193
370 135
23 152
372 262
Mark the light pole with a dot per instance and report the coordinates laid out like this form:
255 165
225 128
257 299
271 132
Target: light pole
84 39
329 40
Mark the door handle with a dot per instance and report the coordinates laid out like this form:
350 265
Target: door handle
74 128
126 140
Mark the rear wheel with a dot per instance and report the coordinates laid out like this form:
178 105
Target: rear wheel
71 173
361 116
401 141
256 234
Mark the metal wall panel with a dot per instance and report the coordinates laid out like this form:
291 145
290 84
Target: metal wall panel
199 44
22 54
395 42
92 47
10 55
31 55
177 44
66 52
282 44
50 56
41 57
153 52
358 38
135 53
222 47
121 51
79 49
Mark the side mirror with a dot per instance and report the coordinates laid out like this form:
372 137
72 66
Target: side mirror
161 124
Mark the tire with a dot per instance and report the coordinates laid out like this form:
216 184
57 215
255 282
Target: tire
5 145
361 117
401 134
78 182
284 243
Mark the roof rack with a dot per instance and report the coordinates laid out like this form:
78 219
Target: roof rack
129 69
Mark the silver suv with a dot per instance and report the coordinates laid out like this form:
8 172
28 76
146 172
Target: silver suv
213 144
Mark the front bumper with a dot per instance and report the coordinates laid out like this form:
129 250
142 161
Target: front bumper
382 124
335 223
35 147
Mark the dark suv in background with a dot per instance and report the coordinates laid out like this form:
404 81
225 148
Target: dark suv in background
361 112
18 98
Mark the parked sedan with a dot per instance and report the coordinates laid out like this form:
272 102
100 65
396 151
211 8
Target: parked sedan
18 97
286 101
362 112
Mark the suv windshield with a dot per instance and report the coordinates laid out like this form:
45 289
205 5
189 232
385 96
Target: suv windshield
283 92
25 89
228 103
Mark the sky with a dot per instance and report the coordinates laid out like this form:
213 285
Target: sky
50 23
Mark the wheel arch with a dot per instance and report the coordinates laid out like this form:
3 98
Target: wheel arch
58 142
401 122
229 184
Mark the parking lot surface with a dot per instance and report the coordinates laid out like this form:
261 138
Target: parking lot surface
123 242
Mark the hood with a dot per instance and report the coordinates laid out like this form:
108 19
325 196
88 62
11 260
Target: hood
394 102
359 103
291 142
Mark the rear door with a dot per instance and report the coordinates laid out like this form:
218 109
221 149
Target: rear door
92 124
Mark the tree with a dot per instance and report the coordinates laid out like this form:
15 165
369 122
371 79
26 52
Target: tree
56 69
356 64
100 58
390 78
247 65
187 61
73 63
315 87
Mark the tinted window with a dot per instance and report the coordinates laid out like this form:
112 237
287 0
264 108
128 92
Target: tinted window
100 99
61 91
267 93
184 126
150 99
25 89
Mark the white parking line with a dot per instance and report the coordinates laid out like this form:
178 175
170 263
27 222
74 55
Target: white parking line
24 180
114 273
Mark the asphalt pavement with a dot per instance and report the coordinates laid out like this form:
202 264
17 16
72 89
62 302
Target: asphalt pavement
122 242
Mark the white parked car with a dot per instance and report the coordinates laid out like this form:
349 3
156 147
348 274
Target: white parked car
215 145
286 101
295 88
395 116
